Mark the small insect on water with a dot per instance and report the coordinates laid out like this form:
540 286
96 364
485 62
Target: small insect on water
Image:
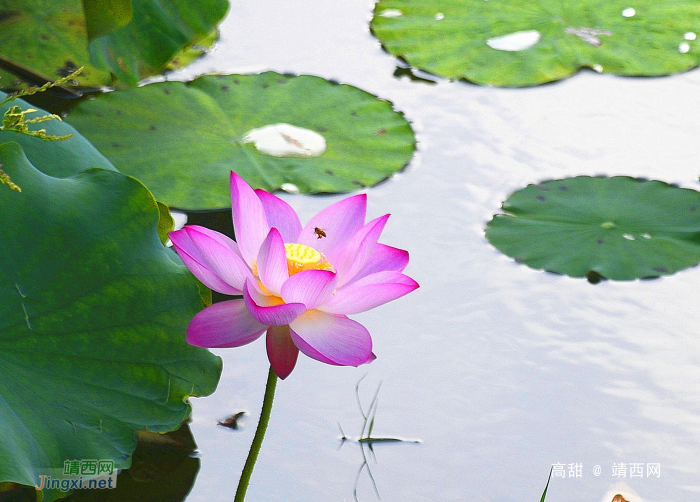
319 233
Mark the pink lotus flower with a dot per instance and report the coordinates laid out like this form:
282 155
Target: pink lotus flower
298 284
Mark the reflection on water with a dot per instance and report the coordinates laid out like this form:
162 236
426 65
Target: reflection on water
366 440
501 370
414 75
163 468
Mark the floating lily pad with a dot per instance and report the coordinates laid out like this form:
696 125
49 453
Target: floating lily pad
182 140
618 228
93 314
50 38
526 42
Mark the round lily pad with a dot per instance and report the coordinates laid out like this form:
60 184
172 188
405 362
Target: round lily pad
524 42
93 314
297 133
617 228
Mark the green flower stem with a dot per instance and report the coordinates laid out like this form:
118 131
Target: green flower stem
259 436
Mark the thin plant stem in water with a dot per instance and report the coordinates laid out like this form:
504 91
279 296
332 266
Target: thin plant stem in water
259 436
544 495
366 439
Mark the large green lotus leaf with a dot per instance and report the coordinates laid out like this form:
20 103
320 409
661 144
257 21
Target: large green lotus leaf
182 140
464 38
93 312
158 31
105 16
67 157
50 38
619 228
55 158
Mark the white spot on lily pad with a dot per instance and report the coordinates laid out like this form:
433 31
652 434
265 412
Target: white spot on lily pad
518 41
285 140
391 13
598 68
628 237
683 47
690 36
589 35
439 16
290 188
646 236
629 12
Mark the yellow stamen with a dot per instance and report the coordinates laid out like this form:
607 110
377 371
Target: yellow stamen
302 257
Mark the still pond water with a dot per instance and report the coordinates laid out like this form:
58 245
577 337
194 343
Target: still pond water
500 370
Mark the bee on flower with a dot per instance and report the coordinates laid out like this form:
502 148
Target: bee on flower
297 287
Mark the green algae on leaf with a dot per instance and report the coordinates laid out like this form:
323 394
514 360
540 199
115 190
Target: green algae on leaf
17 120
299 133
59 159
526 42
93 314
618 228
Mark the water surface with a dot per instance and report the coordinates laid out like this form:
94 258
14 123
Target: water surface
499 369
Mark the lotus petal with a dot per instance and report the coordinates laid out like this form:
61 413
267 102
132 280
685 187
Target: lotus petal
224 324
281 350
274 315
249 220
332 339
